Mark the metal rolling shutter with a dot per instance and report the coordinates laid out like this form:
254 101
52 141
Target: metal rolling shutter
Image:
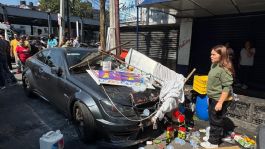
158 42
208 32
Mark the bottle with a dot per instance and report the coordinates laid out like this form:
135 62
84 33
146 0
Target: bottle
169 134
182 133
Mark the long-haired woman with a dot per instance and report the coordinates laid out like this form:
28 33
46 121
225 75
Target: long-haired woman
220 80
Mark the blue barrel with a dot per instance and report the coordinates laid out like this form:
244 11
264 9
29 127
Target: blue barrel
201 107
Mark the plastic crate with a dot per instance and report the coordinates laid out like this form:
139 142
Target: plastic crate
200 84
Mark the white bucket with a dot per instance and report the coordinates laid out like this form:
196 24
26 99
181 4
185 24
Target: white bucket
106 65
52 140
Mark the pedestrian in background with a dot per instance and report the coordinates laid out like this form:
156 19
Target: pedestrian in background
5 74
23 50
246 62
220 80
8 53
13 47
76 42
52 42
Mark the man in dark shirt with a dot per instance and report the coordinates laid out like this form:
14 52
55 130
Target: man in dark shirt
4 71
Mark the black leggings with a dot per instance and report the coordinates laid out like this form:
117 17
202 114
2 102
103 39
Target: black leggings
217 121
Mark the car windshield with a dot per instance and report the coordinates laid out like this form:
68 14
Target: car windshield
76 56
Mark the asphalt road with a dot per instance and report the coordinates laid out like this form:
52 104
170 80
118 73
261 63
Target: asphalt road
24 120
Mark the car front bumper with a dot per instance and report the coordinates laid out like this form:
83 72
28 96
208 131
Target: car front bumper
124 135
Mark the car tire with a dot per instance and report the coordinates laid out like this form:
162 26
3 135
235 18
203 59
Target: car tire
27 87
84 122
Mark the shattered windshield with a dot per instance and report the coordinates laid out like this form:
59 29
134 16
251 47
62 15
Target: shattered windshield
76 56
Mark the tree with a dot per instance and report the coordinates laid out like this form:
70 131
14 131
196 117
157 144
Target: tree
102 24
77 7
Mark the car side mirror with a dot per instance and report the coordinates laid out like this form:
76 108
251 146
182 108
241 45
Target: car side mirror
57 70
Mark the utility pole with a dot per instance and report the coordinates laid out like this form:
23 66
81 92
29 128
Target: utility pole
112 30
117 25
102 25
49 22
68 18
62 25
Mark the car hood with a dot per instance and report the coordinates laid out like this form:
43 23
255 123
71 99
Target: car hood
119 94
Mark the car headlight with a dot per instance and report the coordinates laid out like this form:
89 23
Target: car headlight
111 110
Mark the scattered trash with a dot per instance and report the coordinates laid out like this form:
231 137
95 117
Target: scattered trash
194 144
169 134
182 133
52 140
202 130
149 142
170 146
106 65
245 141
157 141
180 141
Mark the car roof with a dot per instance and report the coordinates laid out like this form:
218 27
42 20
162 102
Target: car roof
91 49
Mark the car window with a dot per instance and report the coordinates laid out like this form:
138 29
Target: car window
41 56
75 57
54 58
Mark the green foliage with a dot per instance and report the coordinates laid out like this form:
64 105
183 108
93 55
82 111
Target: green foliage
77 7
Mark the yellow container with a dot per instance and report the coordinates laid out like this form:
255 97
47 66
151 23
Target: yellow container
200 84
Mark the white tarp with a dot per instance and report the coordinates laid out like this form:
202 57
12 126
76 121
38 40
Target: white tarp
141 61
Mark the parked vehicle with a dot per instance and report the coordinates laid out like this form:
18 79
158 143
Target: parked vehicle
113 111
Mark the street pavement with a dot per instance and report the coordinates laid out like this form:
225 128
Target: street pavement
24 120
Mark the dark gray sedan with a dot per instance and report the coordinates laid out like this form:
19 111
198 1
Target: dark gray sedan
117 112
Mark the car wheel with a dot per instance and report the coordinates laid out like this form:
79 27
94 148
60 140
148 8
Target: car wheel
84 122
27 87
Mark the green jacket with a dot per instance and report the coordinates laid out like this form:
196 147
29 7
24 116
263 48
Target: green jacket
219 80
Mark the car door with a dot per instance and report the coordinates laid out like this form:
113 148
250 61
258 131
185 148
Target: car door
37 67
54 83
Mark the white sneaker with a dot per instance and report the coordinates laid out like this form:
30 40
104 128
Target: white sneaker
208 145
205 138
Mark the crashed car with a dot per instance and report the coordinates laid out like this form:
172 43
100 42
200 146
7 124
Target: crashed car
60 76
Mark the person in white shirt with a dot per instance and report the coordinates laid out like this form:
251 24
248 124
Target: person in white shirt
76 42
246 62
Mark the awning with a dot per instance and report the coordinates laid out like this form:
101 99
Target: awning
206 8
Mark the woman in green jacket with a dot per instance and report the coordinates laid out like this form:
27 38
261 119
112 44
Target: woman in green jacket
220 80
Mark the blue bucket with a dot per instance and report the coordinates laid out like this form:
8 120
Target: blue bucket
201 107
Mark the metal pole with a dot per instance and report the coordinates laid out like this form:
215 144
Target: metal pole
81 30
117 26
62 20
77 29
49 23
68 18
137 29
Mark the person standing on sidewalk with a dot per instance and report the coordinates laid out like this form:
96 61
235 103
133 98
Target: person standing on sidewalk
13 52
5 74
52 42
8 56
220 80
246 62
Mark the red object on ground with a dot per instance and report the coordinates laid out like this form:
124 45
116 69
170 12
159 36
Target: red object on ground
176 114
181 118
123 54
169 128
23 53
183 129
